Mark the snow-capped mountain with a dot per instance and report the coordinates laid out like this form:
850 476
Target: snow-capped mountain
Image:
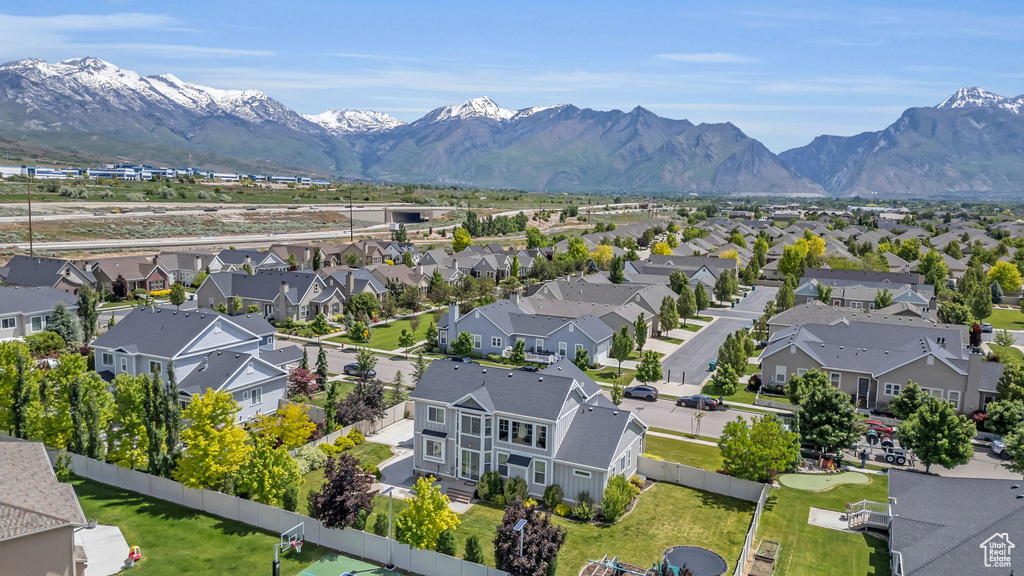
482 107
978 98
341 122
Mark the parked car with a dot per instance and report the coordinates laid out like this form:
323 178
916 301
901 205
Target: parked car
642 391
462 359
986 327
353 370
999 448
529 368
700 401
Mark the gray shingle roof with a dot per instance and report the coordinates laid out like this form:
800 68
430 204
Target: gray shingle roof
511 319
26 271
264 284
593 436
162 331
213 372
816 312
861 276
15 299
237 257
940 523
31 498
282 356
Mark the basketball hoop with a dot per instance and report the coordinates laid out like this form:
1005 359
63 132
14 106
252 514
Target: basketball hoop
298 546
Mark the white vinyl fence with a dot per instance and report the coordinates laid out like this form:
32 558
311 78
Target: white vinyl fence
348 541
748 542
699 478
391 415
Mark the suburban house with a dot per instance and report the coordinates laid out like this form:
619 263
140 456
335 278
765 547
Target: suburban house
547 427
648 297
299 295
873 364
817 312
207 349
26 311
495 328
698 269
352 281
183 266
896 278
401 275
303 254
935 531
859 294
38 515
56 273
143 272
363 253
234 260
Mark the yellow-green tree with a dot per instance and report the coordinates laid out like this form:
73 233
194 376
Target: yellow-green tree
1006 274
602 255
661 249
56 422
13 354
427 516
127 442
461 239
290 425
268 473
730 253
216 444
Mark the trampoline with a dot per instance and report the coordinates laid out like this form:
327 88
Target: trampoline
700 561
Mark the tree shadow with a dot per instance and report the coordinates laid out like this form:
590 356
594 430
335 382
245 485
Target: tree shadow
726 503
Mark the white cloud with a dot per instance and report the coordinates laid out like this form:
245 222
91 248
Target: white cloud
177 50
708 58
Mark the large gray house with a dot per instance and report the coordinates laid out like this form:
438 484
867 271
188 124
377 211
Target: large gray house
873 362
208 350
279 295
495 328
548 427
26 311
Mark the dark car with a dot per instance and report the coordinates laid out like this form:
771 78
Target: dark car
529 368
353 370
462 360
642 391
700 401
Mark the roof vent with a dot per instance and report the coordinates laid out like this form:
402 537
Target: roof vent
615 413
510 374
540 379
484 370
456 366
591 409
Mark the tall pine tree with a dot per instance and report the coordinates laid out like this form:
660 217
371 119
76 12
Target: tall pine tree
172 422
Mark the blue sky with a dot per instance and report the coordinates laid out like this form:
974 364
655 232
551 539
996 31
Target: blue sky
783 72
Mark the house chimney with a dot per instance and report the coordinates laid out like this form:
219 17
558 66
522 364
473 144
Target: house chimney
350 283
581 273
198 264
281 308
248 260
514 298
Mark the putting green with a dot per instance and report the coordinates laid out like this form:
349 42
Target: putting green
818 482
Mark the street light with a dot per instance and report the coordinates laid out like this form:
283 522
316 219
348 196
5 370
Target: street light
519 528
390 565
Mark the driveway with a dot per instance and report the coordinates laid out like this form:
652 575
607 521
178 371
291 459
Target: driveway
665 414
387 366
689 364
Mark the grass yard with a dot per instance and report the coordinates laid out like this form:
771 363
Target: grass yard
366 453
690 327
683 434
344 388
638 355
683 452
386 337
1006 318
1009 353
670 340
804 546
610 375
178 540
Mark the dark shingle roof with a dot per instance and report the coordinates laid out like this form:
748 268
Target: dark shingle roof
33 299
26 271
31 498
213 372
161 331
282 356
264 284
594 435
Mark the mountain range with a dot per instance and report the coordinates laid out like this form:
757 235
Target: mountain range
971 142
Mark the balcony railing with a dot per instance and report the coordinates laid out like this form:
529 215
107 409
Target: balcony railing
542 357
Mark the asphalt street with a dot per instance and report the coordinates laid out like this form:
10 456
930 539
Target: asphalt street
693 356
665 414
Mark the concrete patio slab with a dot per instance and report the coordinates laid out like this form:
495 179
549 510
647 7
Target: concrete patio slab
105 547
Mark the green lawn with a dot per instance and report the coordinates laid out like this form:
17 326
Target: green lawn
690 327
803 546
386 337
683 452
1009 353
750 370
178 540
610 375
682 434
638 355
366 453
344 388
1006 318
670 340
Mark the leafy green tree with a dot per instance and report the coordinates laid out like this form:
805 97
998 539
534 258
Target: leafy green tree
954 313
760 450
322 372
616 274
997 293
792 261
518 356
883 298
649 369
1010 385
825 293
199 278
1004 338
388 306
345 492
979 300
330 407
474 552
582 359
320 326
431 333
22 396
364 303
1007 275
701 298
668 316
290 426
622 346
541 540
800 386
462 345
216 443
127 442
910 398
419 369
177 295
406 340
304 363
461 240
252 309
640 331
427 516
66 325
398 393
723 288
447 544
827 419
1004 416
686 305
938 435
661 249
724 381
677 281
1015 450
88 312
268 473
318 259
221 307
786 298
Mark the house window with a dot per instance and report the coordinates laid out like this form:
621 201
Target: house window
303 311
503 464
540 472
495 341
256 397
892 389
563 348
522 433
578 348
268 310
442 337
801 371
435 415
37 323
250 368
478 341
124 364
155 367
503 430
538 344
954 397
834 379
542 436
581 473
245 395
470 425
335 308
8 323
857 305
433 450
780 373
211 304
107 359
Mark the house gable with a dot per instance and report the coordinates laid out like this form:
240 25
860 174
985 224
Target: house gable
229 334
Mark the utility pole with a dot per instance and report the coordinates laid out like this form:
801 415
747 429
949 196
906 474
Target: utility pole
31 245
351 225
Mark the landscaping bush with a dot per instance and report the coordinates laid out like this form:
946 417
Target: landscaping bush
372 470
515 488
310 458
754 384
356 437
290 500
489 486
380 525
344 443
562 509
529 502
617 495
496 358
45 343
552 496
637 482
447 544
360 523
499 500
584 508
652 456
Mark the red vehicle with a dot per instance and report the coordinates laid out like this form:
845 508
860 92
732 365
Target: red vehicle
879 427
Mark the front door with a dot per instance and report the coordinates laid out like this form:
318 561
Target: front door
470 467
863 389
